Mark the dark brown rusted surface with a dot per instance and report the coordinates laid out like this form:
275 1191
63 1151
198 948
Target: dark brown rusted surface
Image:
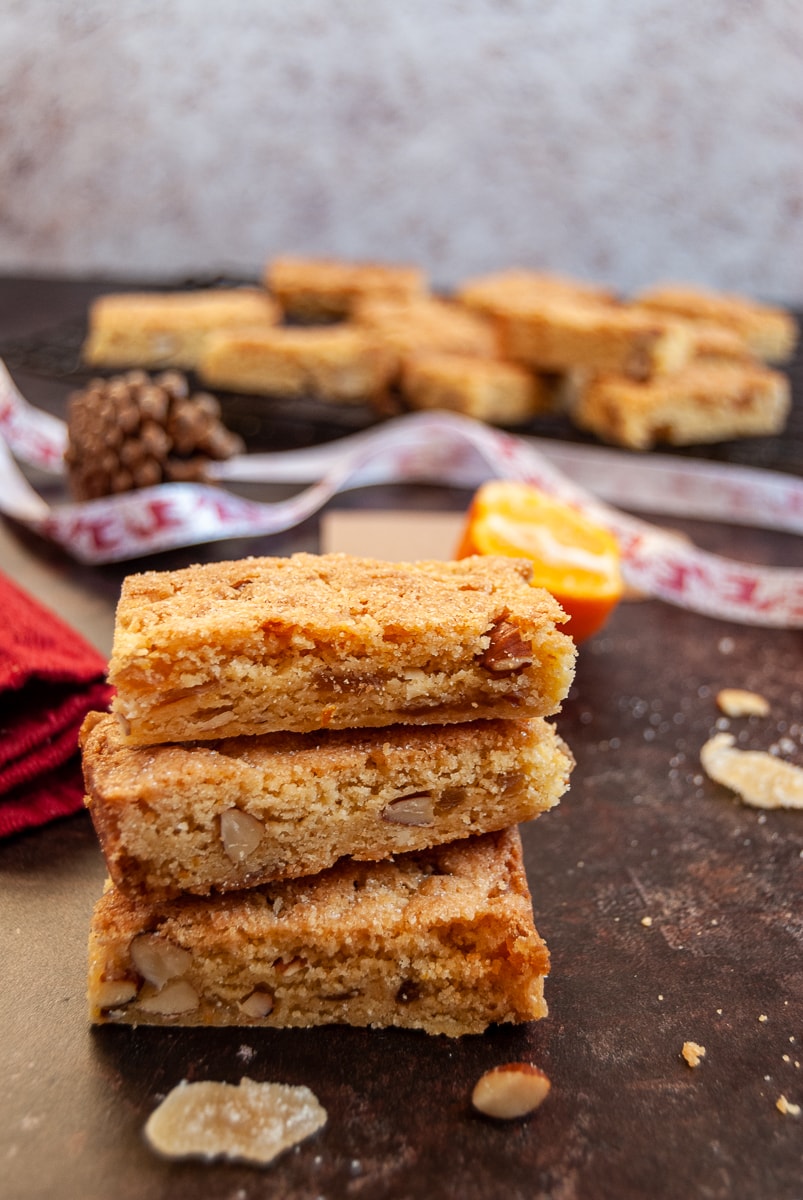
641 834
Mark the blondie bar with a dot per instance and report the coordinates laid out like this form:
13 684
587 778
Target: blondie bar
424 323
491 294
501 393
218 816
706 402
322 289
441 940
167 329
769 332
711 341
556 334
317 641
342 364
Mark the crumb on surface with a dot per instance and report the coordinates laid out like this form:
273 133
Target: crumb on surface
693 1053
787 1108
646 921
763 1018
737 702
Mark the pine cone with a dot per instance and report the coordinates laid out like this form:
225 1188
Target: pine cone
134 431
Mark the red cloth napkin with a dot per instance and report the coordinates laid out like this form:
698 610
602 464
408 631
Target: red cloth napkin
50 678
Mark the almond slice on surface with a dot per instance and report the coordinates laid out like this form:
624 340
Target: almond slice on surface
510 1091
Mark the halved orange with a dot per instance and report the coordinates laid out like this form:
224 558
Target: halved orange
575 559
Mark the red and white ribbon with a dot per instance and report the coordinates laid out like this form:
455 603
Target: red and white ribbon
439 448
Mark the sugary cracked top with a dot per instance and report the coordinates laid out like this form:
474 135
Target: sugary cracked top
329 597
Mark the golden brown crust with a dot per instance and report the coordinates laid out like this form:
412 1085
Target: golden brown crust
154 329
443 941
161 812
769 332
499 392
330 641
341 364
317 289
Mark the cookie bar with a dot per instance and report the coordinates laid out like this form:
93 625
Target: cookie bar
769 332
714 342
491 294
557 333
424 323
317 641
320 289
161 329
441 940
341 364
498 392
232 814
706 402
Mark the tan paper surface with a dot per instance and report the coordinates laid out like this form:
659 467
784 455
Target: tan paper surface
391 535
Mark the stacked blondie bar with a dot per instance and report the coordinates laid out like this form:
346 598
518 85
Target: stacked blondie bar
308 791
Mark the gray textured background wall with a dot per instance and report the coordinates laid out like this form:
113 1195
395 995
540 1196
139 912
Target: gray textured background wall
619 139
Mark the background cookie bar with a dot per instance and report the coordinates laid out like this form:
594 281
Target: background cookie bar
770 333
424 323
233 814
318 641
499 392
707 402
558 333
342 364
316 289
711 340
492 293
160 329
442 941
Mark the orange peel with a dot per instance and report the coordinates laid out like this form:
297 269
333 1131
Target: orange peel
574 558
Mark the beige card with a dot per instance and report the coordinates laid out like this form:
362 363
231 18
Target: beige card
392 535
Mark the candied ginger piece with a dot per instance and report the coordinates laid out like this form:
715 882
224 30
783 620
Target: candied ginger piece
760 779
249 1122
